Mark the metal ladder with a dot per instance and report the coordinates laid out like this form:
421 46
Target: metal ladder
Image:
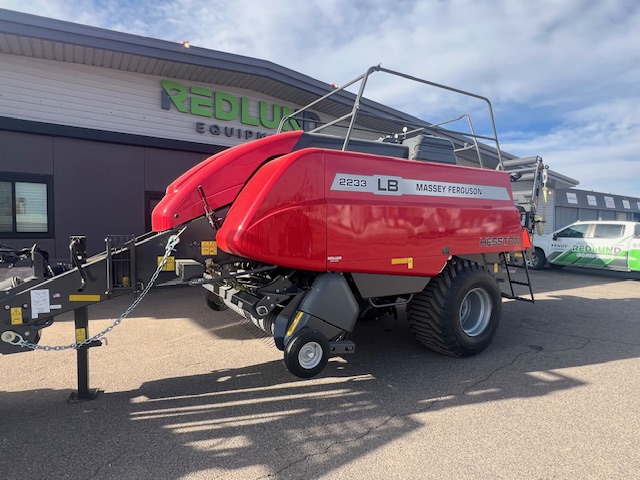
507 264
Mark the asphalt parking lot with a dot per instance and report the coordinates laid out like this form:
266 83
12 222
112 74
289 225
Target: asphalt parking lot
196 394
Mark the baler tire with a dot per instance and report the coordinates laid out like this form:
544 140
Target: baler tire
307 353
458 312
214 302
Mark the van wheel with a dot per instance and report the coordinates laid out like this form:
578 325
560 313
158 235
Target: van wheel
536 259
459 310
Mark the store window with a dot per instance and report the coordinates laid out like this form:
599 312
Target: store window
25 206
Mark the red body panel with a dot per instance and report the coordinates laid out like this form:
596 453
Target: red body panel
294 213
221 177
281 214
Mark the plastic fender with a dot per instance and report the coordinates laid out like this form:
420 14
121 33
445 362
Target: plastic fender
280 215
221 176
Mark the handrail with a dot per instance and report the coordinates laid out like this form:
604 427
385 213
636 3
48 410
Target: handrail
357 104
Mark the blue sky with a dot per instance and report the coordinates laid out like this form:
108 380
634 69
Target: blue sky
563 75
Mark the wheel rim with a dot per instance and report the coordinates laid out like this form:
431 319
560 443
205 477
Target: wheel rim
310 355
475 312
532 260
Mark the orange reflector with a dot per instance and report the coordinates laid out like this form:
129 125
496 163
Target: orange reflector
526 239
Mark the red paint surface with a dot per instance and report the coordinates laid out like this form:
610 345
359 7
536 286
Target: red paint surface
221 177
288 215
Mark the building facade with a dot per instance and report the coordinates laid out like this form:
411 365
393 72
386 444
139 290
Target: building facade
571 205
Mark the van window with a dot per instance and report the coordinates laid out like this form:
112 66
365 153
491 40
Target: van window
608 231
575 231
636 231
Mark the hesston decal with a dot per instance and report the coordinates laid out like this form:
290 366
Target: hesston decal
499 241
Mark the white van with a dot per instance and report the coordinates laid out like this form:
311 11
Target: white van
609 245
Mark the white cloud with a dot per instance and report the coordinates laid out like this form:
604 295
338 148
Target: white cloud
597 145
564 72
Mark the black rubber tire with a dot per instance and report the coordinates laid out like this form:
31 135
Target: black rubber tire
214 302
537 259
306 338
434 314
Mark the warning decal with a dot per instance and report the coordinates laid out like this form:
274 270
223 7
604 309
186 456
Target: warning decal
170 265
208 248
16 316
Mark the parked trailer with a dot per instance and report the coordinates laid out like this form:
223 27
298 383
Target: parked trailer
305 233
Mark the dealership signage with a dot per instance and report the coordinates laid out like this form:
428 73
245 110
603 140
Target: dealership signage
259 117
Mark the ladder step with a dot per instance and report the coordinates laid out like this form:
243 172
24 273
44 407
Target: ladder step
521 299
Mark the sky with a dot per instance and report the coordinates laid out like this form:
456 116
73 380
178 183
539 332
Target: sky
563 75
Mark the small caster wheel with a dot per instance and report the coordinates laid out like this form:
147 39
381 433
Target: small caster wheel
214 302
307 353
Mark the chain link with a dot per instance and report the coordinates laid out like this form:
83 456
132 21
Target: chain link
171 243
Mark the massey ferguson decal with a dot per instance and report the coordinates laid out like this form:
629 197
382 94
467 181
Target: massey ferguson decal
390 185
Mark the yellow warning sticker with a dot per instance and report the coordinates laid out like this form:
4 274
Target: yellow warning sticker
208 248
81 335
84 298
170 265
408 261
16 316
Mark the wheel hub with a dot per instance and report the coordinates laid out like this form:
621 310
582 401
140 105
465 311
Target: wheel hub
475 312
310 355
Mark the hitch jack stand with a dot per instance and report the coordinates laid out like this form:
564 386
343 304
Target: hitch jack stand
84 393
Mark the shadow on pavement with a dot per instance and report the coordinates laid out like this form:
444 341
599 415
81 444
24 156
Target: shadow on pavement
259 421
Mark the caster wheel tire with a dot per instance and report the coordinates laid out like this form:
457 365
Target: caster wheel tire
214 302
307 353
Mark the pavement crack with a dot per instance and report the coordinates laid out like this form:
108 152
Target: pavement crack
343 442
494 371
388 419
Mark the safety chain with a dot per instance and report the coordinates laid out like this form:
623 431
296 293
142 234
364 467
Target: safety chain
19 341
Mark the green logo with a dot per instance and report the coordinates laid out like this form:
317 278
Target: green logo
224 106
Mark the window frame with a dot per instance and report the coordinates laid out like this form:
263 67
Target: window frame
14 178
